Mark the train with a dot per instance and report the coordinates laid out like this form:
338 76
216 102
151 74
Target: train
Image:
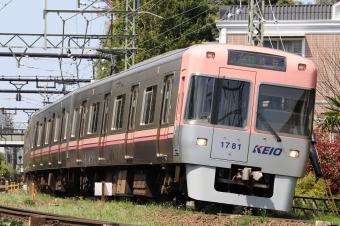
211 123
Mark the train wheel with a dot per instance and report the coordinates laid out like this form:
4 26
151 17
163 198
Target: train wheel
179 200
227 208
199 205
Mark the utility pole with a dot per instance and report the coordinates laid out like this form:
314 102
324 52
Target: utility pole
255 31
130 29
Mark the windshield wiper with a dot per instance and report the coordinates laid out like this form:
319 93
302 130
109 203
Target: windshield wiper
270 129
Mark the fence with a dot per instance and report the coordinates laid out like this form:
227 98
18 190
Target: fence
316 205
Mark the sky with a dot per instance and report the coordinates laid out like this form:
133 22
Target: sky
26 17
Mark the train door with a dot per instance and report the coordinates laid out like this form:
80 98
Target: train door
164 142
130 132
232 115
103 131
82 114
178 116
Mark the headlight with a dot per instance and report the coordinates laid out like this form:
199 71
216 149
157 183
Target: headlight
201 142
293 153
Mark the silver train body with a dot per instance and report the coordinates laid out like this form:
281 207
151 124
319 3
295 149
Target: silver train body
217 123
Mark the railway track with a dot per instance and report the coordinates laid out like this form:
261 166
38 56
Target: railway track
38 218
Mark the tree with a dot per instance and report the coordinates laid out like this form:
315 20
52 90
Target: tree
184 23
285 2
8 122
331 122
327 56
4 172
2 157
324 2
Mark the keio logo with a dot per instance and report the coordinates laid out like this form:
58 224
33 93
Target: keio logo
266 150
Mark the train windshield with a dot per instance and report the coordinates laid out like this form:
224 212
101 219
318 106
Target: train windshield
201 98
218 101
286 110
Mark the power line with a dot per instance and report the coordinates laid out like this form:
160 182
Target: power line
180 37
176 26
6 5
82 11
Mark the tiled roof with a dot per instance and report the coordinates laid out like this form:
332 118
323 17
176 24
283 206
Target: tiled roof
282 12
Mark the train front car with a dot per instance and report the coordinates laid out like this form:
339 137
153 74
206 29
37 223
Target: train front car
244 124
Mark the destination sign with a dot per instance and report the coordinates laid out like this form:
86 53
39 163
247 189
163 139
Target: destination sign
257 60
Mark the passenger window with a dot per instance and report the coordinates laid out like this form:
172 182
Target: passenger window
133 106
40 129
47 133
106 109
82 113
118 112
167 99
66 116
148 108
93 118
32 134
233 103
74 122
56 128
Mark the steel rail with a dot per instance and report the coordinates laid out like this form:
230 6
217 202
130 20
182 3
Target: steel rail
23 216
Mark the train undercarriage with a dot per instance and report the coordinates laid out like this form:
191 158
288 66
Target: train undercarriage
142 181
168 181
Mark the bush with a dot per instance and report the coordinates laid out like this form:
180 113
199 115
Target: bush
329 159
308 186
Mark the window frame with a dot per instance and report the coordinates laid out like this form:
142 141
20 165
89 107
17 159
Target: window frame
213 113
257 120
149 107
278 43
74 121
48 130
92 127
105 113
56 128
33 135
133 107
39 137
114 113
66 119
166 105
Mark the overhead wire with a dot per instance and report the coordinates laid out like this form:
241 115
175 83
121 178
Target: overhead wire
6 4
177 25
60 63
263 21
164 19
107 11
87 25
62 50
82 10
180 37
275 22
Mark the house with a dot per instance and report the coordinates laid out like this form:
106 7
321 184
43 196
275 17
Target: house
312 31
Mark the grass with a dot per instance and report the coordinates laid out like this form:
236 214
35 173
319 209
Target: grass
116 211
7 222
124 211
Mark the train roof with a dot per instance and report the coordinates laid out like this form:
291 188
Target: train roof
174 54
166 57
